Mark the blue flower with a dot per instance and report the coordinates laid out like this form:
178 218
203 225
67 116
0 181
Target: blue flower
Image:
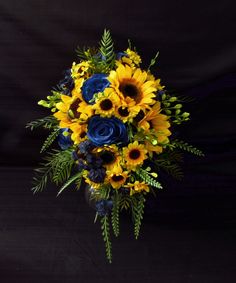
67 84
96 83
103 207
103 131
85 147
64 139
119 55
97 175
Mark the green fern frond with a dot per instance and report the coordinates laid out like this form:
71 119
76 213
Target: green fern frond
115 215
105 226
107 51
137 213
41 178
48 122
145 176
125 202
187 147
50 139
74 178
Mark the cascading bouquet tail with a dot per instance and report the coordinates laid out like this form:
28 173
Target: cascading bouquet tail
113 122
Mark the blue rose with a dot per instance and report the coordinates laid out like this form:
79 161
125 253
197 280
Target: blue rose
103 131
96 83
64 139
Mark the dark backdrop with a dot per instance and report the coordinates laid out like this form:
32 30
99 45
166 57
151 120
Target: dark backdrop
189 230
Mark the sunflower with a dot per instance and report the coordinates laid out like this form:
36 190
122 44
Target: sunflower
137 187
106 103
134 155
157 122
80 70
79 132
117 177
110 156
132 86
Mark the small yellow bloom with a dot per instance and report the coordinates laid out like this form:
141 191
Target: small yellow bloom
117 177
134 155
137 187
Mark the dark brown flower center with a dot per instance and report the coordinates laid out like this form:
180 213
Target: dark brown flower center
73 113
106 104
128 88
140 116
123 111
82 135
107 157
117 178
134 154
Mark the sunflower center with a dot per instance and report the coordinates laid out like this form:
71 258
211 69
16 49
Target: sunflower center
73 113
118 178
128 88
140 116
82 135
106 104
134 154
123 111
107 157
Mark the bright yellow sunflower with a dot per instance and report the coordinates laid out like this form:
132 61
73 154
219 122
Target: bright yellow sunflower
117 177
132 85
110 156
80 70
106 103
137 187
134 155
79 132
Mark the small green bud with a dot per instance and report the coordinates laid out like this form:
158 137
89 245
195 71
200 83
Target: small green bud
173 99
178 106
154 174
185 115
177 112
168 112
154 142
163 96
43 103
148 168
71 114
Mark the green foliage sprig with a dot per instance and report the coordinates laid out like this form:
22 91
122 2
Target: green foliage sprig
47 122
115 214
148 179
105 226
187 147
50 139
137 212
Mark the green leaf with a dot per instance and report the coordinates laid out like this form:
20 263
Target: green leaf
107 51
145 176
48 122
106 236
50 139
137 212
70 181
187 147
115 214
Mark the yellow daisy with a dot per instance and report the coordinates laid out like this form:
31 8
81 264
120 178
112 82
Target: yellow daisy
134 155
137 187
106 103
132 85
118 177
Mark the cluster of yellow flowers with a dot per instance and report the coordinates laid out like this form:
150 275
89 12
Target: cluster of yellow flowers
128 94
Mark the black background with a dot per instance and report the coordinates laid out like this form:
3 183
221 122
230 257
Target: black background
189 230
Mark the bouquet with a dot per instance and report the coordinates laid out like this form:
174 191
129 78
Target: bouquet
113 121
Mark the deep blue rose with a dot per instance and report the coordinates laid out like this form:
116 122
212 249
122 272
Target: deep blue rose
97 83
103 131
64 141
104 207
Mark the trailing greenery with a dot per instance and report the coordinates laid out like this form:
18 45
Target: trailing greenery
50 139
57 168
125 202
148 179
105 226
187 147
115 214
48 122
74 178
137 212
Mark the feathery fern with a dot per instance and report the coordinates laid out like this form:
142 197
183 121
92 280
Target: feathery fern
137 213
187 147
47 122
115 215
107 51
50 139
105 226
74 178
145 176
